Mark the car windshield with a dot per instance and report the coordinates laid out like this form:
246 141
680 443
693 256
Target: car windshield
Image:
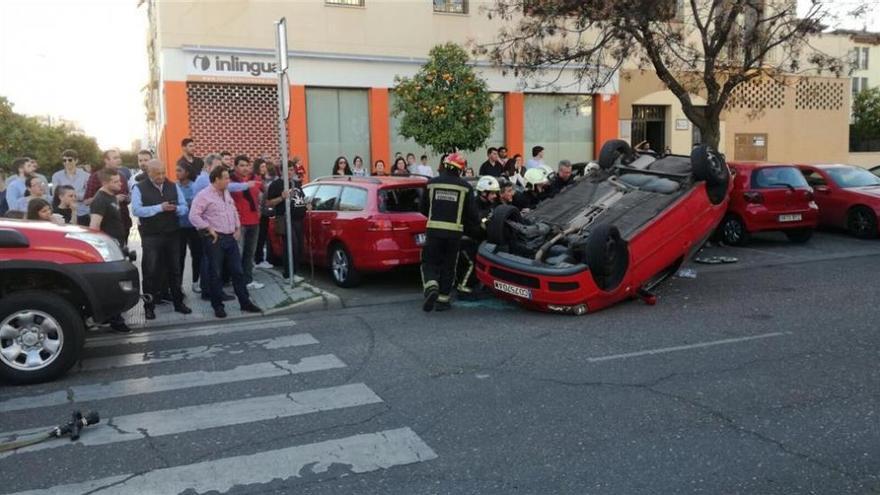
778 177
847 177
400 200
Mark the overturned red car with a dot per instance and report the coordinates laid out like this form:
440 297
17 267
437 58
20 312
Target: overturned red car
611 236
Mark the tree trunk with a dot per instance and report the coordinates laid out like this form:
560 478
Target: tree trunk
711 132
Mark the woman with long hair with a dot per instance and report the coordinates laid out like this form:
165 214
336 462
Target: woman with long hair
340 167
40 209
399 169
515 169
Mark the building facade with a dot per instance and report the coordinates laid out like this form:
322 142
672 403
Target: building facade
213 79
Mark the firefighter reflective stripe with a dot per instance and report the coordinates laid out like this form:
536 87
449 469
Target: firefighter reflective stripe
437 191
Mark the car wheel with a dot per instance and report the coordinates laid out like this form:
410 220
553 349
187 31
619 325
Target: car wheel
862 223
41 336
733 231
497 230
799 236
709 166
342 267
607 256
612 150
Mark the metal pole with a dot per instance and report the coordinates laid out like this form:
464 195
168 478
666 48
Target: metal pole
283 96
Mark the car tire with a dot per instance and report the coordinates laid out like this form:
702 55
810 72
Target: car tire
497 230
342 269
54 321
612 150
607 256
861 222
799 236
733 231
709 166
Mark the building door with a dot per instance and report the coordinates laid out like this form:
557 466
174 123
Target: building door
750 147
649 124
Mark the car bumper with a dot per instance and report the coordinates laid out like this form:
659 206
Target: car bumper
758 218
112 288
386 254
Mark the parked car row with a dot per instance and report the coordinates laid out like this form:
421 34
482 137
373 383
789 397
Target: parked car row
796 199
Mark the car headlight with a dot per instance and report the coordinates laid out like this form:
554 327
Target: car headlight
103 244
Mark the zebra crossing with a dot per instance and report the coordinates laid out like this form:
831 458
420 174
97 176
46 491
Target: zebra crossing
242 387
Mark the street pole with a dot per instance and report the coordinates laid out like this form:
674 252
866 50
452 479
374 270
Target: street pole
283 108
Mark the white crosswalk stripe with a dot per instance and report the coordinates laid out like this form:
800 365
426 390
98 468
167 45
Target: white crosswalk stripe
164 383
185 333
199 352
360 453
151 417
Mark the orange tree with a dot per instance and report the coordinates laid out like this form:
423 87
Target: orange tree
445 106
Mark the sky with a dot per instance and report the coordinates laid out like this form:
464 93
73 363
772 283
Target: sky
85 60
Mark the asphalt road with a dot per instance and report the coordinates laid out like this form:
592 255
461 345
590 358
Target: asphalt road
755 377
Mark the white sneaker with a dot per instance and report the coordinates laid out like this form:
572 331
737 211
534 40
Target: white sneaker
255 285
196 288
264 264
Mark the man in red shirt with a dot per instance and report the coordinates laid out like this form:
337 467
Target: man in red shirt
248 205
112 161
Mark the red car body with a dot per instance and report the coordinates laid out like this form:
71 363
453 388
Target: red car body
848 197
370 224
656 248
768 197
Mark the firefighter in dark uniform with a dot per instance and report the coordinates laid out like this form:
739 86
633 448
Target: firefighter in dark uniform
488 189
450 208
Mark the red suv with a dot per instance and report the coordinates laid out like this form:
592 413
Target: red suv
768 197
363 224
52 279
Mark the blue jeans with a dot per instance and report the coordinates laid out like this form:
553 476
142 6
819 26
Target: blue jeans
247 246
224 254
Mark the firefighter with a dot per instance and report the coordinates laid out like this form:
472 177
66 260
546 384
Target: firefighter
450 209
537 181
488 189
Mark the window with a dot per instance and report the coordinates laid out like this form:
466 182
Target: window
350 3
778 177
353 199
338 125
400 200
860 58
859 84
847 177
451 6
562 124
814 178
325 198
309 192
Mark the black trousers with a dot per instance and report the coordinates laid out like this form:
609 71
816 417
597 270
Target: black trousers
189 236
161 267
439 258
297 231
466 273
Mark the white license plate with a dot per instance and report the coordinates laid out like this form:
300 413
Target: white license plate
512 289
420 239
790 218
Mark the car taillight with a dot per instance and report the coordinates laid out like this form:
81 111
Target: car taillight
385 225
753 197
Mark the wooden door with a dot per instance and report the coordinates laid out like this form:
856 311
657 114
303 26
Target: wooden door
750 147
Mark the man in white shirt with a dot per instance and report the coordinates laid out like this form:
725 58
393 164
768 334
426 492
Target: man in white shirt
537 159
424 169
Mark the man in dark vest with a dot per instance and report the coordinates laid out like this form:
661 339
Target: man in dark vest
157 202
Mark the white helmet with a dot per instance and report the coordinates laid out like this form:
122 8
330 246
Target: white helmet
487 183
536 176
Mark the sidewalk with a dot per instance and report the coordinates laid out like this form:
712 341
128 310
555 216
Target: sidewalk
276 297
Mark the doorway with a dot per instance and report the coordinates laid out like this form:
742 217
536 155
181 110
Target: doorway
649 124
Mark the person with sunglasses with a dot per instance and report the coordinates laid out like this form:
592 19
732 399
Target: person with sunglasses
75 177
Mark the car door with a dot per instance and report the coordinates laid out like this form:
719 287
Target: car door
321 219
832 209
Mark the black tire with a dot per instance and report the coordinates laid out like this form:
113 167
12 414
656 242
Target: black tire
497 230
612 150
341 266
799 236
861 222
607 255
64 325
733 231
709 166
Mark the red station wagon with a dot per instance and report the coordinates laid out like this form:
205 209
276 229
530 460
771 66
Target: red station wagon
363 224
769 197
848 198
